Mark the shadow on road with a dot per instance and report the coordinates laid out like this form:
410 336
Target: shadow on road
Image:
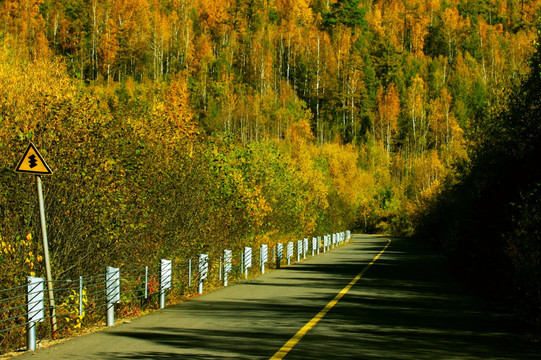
407 306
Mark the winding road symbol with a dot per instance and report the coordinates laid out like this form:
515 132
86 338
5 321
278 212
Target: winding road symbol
32 160
33 163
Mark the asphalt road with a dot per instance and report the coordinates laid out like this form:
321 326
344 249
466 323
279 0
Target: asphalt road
405 306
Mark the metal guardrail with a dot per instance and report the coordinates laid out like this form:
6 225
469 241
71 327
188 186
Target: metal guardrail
23 307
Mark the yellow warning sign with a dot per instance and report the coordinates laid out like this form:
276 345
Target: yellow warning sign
32 162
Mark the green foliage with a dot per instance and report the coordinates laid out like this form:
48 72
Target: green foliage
346 12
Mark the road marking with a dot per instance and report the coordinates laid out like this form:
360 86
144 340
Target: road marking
284 350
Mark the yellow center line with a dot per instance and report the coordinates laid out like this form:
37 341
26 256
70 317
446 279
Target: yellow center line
284 350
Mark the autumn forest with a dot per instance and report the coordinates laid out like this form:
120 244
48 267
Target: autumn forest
175 127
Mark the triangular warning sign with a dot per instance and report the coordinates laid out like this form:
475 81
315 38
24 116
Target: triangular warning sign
32 163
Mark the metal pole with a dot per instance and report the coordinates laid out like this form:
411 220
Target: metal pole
241 261
201 286
162 298
220 272
46 256
261 264
190 272
146 282
81 297
31 336
110 314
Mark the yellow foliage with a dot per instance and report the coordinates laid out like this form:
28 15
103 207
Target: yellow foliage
304 154
35 103
375 20
299 133
70 306
344 172
257 206
172 116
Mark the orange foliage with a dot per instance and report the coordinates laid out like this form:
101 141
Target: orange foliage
23 19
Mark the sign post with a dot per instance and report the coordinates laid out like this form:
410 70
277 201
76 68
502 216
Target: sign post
33 163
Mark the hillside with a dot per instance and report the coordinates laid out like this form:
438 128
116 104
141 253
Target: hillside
175 127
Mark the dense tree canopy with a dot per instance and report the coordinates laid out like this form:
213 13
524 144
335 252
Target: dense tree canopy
177 126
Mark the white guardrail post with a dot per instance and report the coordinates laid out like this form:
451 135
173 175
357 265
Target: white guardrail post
112 290
289 252
36 286
329 242
228 254
247 260
203 270
35 309
279 254
166 273
263 256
